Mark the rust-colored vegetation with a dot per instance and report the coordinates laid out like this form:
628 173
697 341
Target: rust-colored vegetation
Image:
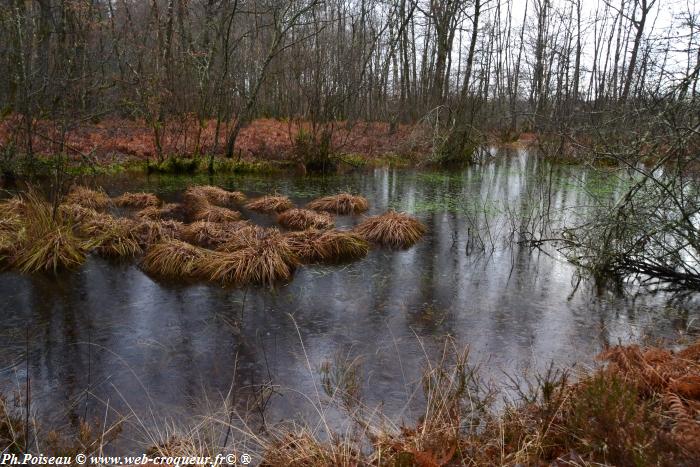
342 203
116 139
640 408
270 204
302 219
392 229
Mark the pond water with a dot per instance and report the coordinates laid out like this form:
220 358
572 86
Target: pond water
109 335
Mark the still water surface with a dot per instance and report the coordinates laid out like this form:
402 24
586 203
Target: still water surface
159 349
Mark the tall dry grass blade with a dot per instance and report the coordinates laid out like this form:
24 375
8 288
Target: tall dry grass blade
174 259
137 200
302 219
392 229
342 203
88 198
271 203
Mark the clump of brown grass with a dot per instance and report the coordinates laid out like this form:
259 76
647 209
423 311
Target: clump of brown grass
247 235
137 200
199 208
260 256
212 234
174 259
392 229
115 237
217 195
88 198
327 246
154 213
212 213
272 203
78 213
342 203
47 241
152 232
302 219
15 206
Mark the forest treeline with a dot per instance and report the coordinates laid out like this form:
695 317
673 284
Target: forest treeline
497 65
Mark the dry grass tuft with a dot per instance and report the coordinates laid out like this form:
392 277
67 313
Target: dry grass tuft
328 246
392 229
342 203
217 195
15 205
212 213
166 211
47 242
174 259
302 219
212 234
88 198
270 204
115 237
78 213
259 256
246 236
199 208
137 200
152 232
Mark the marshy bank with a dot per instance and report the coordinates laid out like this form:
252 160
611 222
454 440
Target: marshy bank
107 334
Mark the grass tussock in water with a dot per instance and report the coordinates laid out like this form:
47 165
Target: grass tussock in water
166 211
342 203
199 208
115 237
174 259
46 240
137 200
151 232
329 246
219 196
302 219
259 256
212 213
269 204
78 213
392 229
212 234
88 198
